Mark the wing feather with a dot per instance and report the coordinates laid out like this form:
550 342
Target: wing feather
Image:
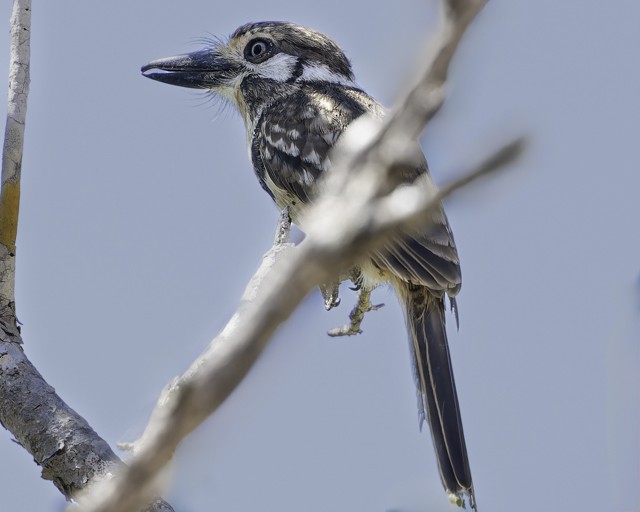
292 142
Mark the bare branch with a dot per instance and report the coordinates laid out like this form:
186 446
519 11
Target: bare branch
13 143
410 205
356 211
69 451
285 277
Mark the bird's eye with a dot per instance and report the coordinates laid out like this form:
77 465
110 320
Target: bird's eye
258 50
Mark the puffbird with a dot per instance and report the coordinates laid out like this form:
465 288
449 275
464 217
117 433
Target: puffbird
296 92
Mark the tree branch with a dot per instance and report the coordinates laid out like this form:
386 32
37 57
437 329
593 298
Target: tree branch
358 209
12 149
69 451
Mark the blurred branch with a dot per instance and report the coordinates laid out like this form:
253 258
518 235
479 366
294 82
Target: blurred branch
344 227
69 451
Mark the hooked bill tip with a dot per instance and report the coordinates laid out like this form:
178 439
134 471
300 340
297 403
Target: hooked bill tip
147 67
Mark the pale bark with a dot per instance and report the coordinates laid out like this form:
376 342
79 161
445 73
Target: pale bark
13 143
69 451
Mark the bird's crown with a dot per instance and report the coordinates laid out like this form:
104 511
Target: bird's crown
262 41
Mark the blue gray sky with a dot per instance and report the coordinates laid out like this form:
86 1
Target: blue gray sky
141 222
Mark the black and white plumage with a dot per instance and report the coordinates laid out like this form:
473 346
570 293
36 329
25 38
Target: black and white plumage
295 90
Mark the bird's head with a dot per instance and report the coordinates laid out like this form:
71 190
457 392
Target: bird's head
259 63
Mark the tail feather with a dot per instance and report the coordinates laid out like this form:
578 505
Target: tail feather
437 388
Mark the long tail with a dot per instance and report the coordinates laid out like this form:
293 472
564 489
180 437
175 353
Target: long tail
437 388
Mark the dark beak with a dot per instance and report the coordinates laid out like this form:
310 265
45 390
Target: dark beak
204 69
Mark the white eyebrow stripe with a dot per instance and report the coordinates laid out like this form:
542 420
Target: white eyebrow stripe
279 67
313 72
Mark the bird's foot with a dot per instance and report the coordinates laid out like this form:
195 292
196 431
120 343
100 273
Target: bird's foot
284 228
331 291
356 316
330 294
356 278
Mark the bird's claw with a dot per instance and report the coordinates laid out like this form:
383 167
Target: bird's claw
356 279
330 294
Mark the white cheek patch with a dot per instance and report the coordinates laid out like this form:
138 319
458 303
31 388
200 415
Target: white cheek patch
279 67
322 73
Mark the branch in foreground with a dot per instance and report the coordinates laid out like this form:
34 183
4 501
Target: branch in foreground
285 277
343 230
70 453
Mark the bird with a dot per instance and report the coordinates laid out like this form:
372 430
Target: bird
296 92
